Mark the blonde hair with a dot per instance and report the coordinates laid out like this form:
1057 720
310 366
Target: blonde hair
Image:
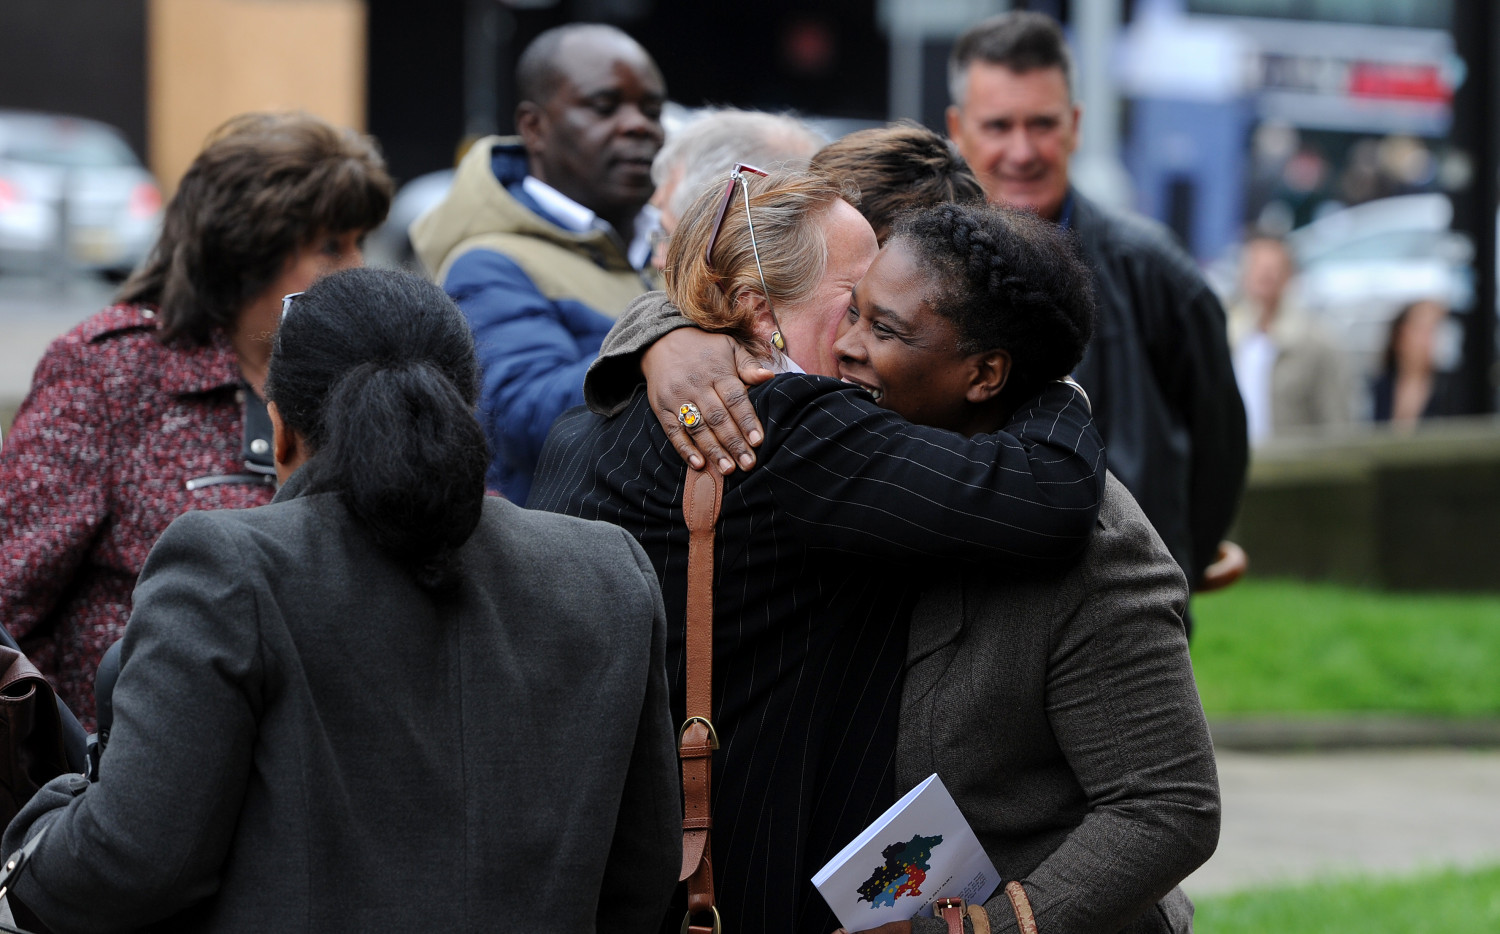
786 206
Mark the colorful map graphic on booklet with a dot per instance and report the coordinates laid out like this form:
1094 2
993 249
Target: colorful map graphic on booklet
920 850
904 871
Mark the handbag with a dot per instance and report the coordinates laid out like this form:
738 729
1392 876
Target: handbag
702 498
31 733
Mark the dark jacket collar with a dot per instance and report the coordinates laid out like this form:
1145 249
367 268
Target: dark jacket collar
296 485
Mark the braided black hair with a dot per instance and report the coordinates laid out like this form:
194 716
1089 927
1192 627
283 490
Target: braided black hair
1007 280
376 371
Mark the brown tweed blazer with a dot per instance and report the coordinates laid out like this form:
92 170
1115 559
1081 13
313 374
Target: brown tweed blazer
1062 714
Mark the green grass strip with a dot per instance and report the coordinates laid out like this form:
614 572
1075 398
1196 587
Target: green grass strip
1283 647
1446 902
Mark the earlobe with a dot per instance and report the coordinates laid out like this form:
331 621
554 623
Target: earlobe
953 124
763 322
528 118
283 439
990 371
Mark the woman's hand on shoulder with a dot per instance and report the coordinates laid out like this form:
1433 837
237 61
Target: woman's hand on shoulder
710 372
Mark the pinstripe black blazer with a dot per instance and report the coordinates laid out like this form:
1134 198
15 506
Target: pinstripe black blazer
820 552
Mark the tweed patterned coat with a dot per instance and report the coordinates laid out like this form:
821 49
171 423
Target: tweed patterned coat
92 472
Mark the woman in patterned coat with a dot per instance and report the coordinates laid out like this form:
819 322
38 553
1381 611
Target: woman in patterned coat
153 406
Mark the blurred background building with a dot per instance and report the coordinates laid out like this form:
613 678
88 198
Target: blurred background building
1362 131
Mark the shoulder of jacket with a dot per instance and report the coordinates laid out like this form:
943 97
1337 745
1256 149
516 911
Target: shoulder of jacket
530 246
567 545
1123 533
539 528
121 339
800 386
1139 239
118 320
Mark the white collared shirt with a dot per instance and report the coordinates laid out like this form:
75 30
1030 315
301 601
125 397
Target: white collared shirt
781 363
579 219
1254 359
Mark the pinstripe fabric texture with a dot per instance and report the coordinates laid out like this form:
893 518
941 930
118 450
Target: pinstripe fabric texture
820 552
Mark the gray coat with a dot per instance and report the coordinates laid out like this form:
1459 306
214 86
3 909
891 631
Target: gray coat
307 741
1062 714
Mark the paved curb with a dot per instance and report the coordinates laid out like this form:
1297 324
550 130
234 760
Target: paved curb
1281 734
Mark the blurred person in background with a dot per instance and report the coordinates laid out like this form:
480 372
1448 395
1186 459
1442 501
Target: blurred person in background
1158 370
342 711
154 406
695 157
1291 375
544 239
1409 386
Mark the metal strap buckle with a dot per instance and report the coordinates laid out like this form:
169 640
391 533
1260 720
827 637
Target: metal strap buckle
687 919
713 735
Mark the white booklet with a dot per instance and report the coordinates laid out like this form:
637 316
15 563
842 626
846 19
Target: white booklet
918 851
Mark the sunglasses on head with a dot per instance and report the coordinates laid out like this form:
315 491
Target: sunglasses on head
286 303
737 175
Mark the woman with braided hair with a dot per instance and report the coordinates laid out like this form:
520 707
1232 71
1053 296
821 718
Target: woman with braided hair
822 549
1060 708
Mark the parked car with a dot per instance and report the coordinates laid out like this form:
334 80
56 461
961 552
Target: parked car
72 191
1359 266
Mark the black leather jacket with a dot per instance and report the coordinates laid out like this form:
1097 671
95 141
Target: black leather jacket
1159 375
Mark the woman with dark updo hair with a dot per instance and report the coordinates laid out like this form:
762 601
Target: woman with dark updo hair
385 701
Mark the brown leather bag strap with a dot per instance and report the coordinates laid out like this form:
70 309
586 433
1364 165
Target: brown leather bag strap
1025 920
697 740
951 912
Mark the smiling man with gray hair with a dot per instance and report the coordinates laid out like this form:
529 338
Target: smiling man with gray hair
1158 370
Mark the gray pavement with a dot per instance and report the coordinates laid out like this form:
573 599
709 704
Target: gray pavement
33 311
1296 816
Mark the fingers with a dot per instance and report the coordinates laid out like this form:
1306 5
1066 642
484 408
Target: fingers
701 434
724 415
751 372
666 413
688 366
752 369
1231 565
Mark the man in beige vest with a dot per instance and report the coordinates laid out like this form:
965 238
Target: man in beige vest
543 239
1292 376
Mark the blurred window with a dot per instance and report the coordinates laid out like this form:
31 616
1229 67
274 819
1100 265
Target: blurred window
63 143
1395 244
1426 14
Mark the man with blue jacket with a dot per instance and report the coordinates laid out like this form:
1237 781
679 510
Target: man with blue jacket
543 239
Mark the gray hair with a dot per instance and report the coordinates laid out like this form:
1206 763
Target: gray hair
708 147
1021 41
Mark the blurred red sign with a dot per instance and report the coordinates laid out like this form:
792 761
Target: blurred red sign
1398 81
